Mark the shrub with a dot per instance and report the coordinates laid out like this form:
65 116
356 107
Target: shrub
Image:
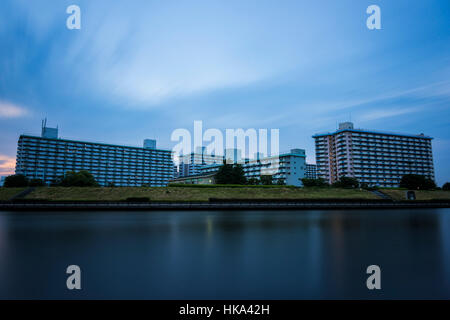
36 183
365 186
346 182
314 182
266 180
417 182
16 181
253 182
81 178
446 186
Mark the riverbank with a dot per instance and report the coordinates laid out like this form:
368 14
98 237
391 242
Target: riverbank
217 197
191 194
220 205
8 193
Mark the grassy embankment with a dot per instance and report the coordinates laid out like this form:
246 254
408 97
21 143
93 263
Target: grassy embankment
7 193
204 193
180 194
398 194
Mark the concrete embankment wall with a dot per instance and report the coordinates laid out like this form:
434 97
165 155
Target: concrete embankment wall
222 205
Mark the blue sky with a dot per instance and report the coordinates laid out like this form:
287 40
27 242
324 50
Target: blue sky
141 69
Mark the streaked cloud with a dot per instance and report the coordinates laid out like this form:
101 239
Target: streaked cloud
386 113
142 54
10 110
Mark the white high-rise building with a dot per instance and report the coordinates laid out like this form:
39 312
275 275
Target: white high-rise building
373 157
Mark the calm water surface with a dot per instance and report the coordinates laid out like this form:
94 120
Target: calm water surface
226 255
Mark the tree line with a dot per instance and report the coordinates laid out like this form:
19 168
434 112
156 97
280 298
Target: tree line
234 174
81 178
227 174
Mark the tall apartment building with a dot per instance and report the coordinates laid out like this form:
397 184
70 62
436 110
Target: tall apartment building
372 157
289 167
311 171
190 164
47 157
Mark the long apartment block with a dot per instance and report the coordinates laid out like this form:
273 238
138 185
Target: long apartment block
48 158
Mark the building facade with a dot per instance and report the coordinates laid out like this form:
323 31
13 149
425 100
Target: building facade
49 158
288 168
311 171
196 179
374 158
191 164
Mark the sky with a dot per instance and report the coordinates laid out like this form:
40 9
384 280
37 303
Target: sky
142 69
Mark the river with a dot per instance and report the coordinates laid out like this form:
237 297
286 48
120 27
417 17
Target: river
226 254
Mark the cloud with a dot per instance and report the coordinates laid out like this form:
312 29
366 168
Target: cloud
128 60
7 165
9 110
142 54
386 113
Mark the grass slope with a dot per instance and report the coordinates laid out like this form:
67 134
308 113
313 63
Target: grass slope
194 194
420 194
7 193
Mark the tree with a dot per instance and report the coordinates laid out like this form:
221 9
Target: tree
253 181
231 174
266 180
36 183
16 181
225 174
238 175
364 185
81 178
446 186
346 182
417 182
314 182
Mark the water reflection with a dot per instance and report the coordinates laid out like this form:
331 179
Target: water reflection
226 254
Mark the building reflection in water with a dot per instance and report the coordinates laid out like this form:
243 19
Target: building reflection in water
227 254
